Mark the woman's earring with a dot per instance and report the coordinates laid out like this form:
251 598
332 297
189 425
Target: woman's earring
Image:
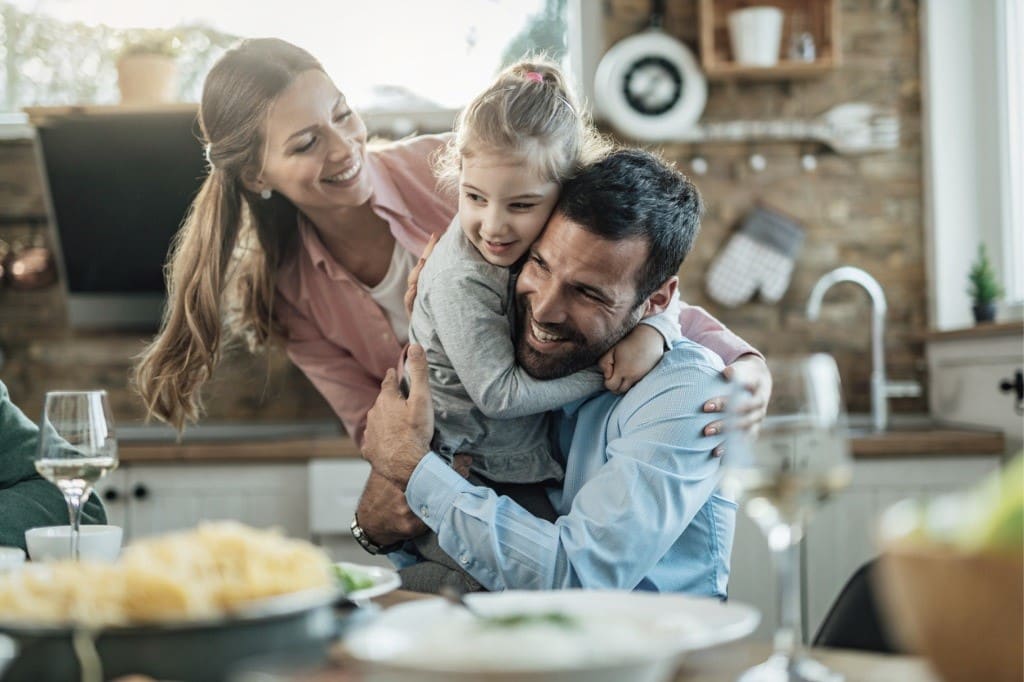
266 193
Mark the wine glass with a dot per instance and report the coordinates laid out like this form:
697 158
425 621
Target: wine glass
781 475
77 447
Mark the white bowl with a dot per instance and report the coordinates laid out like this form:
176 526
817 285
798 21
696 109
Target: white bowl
95 543
11 558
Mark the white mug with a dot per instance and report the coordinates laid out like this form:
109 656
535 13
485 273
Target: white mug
11 559
755 34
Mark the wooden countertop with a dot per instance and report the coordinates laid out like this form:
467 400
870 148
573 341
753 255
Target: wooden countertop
285 450
916 442
927 441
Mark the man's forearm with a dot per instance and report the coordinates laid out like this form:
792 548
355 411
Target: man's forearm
383 513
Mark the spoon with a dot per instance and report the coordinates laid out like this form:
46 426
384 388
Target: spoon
457 597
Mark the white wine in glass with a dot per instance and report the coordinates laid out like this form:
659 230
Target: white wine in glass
77 447
781 475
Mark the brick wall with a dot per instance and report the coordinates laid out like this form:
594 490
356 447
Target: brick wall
858 211
861 211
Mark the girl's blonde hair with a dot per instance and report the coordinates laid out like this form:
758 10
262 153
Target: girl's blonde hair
224 260
531 113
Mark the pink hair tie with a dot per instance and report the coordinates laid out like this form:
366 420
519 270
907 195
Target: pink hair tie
534 76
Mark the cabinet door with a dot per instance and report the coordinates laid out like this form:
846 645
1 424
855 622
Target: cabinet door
843 535
112 490
167 497
751 576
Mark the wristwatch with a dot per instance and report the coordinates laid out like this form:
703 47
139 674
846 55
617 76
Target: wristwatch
366 543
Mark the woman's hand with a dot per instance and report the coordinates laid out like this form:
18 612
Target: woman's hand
753 372
414 275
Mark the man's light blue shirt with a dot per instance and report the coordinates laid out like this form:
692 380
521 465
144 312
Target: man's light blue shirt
640 507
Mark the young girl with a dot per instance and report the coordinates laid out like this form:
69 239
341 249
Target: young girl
513 146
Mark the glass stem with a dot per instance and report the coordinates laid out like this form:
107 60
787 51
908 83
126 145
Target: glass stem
75 512
786 551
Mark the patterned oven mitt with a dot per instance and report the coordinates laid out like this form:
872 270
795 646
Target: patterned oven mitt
761 255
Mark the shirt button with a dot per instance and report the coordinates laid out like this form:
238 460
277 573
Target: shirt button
424 512
464 560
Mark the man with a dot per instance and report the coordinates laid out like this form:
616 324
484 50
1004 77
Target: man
27 500
640 507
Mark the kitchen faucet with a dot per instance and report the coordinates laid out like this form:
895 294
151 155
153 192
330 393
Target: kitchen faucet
881 390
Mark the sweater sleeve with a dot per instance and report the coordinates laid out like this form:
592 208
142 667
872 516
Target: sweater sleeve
26 499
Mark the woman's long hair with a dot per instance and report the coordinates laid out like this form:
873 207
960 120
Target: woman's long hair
224 260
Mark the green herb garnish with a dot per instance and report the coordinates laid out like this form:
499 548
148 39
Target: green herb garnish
519 619
352 581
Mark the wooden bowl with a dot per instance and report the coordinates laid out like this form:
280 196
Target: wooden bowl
963 612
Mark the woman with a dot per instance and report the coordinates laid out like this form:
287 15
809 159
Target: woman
299 232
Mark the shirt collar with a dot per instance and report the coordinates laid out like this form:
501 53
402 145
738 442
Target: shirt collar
318 253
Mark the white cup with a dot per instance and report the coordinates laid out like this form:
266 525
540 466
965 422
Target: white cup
756 35
95 543
11 559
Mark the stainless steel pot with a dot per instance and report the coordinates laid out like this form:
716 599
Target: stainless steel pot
303 622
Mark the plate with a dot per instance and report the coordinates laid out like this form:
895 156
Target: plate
700 622
641 636
384 580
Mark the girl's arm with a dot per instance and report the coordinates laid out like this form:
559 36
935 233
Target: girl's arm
465 304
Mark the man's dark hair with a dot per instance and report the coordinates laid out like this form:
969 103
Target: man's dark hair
632 193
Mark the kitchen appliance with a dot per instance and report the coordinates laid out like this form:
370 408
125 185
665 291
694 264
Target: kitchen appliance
117 183
649 85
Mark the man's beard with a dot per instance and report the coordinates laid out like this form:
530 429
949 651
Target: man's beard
575 353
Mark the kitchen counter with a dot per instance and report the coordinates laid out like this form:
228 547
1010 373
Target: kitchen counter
910 438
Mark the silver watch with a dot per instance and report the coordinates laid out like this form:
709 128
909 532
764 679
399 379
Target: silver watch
366 543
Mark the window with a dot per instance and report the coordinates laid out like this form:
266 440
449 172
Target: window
1011 46
386 55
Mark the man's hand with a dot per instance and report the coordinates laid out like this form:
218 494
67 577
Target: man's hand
383 513
753 372
398 429
412 281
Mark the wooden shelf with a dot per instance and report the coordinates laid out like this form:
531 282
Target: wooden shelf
40 115
818 17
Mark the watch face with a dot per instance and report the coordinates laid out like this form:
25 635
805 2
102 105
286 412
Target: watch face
652 85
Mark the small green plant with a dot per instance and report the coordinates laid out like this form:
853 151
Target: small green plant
156 42
983 288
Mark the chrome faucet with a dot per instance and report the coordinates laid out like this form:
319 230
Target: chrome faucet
881 390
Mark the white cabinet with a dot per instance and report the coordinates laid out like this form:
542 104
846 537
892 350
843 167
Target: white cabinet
334 489
149 498
965 373
841 536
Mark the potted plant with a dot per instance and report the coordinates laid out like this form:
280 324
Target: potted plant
983 288
147 72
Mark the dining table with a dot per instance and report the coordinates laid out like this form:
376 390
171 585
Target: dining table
725 662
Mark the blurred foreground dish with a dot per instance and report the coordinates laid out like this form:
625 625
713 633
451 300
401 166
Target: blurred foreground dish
214 570
952 578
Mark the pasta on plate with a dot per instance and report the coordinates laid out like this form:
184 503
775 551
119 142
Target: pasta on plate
216 569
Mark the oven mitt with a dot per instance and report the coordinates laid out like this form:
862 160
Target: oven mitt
761 256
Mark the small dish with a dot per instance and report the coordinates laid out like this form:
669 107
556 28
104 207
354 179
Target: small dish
384 580
52 543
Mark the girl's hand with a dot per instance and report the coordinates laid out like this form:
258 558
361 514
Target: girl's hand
632 358
414 275
756 379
